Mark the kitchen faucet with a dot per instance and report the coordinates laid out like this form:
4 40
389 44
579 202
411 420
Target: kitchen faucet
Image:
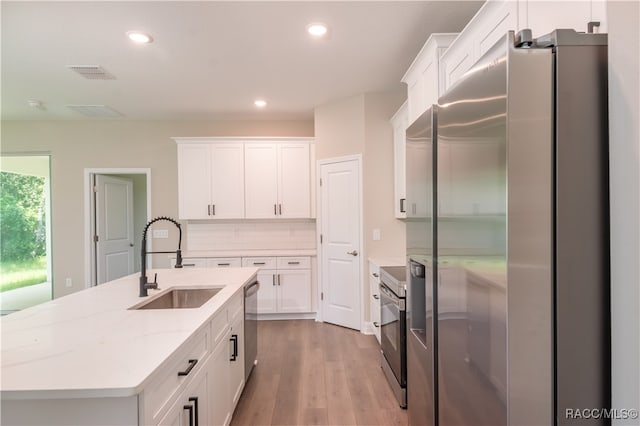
144 283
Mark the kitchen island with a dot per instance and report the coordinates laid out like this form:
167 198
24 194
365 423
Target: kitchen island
88 359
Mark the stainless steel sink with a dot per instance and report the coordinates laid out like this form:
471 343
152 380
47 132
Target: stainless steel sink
179 298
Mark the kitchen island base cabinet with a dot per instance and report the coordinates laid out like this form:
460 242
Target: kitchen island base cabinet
203 379
71 412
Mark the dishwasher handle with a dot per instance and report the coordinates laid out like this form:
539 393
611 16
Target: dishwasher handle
251 289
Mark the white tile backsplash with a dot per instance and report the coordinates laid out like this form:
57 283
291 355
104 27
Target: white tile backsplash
251 235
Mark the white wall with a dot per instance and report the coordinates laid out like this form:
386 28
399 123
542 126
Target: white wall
75 145
624 115
360 125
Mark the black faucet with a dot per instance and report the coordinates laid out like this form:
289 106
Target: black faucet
144 283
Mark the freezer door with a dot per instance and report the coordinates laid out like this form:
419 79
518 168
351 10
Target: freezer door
495 347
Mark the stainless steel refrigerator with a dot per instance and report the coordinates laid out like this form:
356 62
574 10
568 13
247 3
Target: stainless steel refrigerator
508 295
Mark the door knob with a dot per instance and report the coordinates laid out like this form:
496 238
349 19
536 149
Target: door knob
353 253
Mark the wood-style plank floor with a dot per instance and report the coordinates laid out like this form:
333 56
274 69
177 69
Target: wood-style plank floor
311 373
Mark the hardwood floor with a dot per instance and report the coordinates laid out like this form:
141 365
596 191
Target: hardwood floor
311 373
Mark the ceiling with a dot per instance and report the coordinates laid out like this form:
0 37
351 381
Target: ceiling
211 59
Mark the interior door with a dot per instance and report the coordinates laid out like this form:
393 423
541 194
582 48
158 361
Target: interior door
114 227
340 229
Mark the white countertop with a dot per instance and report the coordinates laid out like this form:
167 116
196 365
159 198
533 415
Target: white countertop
247 253
88 344
388 261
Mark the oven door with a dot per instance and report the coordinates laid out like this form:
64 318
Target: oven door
393 332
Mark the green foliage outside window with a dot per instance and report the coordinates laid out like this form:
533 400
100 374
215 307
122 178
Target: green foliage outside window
22 217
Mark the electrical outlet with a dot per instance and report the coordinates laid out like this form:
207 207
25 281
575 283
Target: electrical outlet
68 282
160 233
376 234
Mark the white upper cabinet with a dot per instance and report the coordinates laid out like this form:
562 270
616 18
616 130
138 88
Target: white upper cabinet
294 180
261 191
496 17
424 78
277 180
248 178
211 180
400 122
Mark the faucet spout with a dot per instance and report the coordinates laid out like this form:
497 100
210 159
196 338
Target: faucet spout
144 282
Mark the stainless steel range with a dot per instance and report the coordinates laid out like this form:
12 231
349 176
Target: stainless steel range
393 330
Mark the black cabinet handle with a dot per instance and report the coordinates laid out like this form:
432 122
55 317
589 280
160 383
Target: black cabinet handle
194 399
224 264
259 263
375 324
208 209
375 274
190 409
293 263
280 208
274 279
375 296
234 340
402 207
192 363
275 210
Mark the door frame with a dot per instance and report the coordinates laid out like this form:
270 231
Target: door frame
320 163
89 250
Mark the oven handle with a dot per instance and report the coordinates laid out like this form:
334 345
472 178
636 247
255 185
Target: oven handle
387 293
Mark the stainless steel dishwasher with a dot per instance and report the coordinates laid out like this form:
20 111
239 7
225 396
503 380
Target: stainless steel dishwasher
250 327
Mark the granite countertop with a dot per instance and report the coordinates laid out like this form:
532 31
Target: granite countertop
89 344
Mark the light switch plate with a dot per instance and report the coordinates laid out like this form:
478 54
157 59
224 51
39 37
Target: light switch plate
160 233
376 234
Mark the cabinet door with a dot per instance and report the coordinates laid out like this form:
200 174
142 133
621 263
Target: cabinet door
227 174
294 199
194 181
192 404
236 370
399 162
294 291
267 293
261 181
219 387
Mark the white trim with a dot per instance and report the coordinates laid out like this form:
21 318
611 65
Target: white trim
88 247
322 162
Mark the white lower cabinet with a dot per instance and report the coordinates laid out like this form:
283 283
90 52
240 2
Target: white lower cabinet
219 388
374 300
285 284
202 387
192 406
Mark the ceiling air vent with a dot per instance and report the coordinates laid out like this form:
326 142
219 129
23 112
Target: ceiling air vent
92 72
96 111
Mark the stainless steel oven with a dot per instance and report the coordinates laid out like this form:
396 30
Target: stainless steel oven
393 330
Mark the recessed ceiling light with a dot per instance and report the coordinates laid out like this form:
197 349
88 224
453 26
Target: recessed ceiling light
139 37
260 103
317 29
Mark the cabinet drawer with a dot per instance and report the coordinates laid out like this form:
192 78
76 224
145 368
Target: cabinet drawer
169 380
192 262
219 325
225 262
300 262
259 262
236 307
374 271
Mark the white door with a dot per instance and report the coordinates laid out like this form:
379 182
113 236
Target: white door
114 227
340 229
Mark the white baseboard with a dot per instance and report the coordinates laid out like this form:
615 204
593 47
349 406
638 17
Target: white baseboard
268 317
